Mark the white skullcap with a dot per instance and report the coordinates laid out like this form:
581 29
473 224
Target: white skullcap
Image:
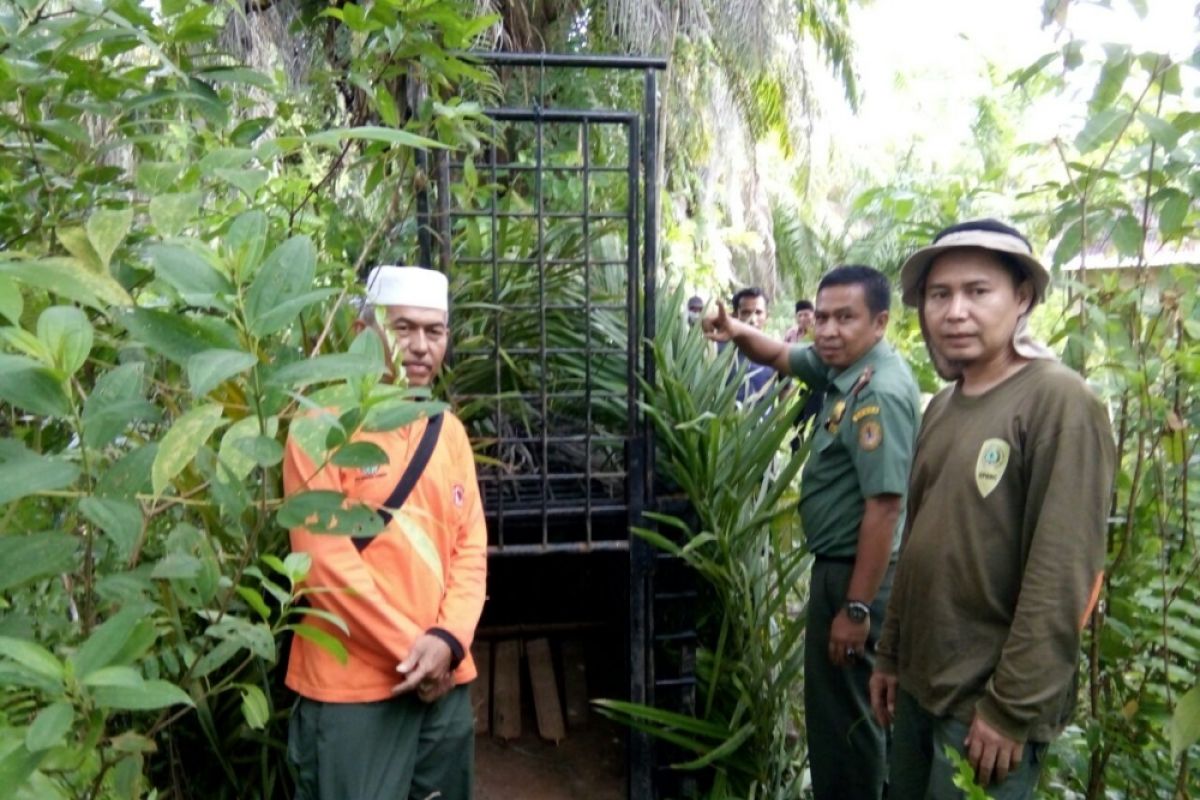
408 286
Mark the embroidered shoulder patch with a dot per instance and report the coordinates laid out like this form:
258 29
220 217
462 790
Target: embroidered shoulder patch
989 467
870 435
865 411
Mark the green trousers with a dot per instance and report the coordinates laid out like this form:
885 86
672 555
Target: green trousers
398 749
922 771
847 748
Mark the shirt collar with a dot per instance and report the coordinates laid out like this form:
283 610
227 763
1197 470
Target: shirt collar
845 380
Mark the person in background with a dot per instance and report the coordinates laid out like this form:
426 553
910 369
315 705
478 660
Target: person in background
695 309
852 494
804 323
394 719
750 308
1007 514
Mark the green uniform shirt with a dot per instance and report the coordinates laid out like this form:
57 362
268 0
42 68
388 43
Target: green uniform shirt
862 447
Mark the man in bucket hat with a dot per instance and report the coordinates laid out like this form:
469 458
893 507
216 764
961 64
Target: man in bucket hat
393 718
1002 556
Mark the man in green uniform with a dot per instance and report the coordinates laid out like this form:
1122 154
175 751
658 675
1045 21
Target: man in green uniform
852 510
1002 558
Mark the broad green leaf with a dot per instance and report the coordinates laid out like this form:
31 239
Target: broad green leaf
1127 235
180 444
224 158
1112 76
395 414
121 521
254 706
249 181
171 212
156 177
77 243
114 402
287 274
254 636
1101 128
175 336
106 229
1069 245
28 385
207 370
106 642
28 344
69 278
244 75
321 511
23 473
359 454
323 639
68 336
149 695
374 133
11 301
177 566
322 369
216 658
114 676
1162 132
244 243
1172 213
50 727
1185 724
231 453
16 764
264 450
36 555
130 474
255 601
33 657
197 282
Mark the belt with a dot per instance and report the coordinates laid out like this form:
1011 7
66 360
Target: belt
824 559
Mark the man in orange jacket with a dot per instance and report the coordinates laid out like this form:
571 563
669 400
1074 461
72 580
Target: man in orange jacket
395 719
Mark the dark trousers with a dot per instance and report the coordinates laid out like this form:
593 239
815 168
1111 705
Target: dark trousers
922 771
847 747
398 749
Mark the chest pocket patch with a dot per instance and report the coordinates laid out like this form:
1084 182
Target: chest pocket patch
989 467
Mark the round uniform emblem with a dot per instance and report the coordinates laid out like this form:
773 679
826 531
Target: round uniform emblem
870 435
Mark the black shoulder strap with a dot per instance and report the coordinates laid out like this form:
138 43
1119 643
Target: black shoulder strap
408 480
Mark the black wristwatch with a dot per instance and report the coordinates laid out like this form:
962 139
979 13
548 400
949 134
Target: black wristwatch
858 611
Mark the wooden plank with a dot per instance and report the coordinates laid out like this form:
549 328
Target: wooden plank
575 679
545 691
506 690
481 687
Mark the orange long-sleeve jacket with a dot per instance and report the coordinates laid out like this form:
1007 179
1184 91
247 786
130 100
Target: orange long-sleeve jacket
426 570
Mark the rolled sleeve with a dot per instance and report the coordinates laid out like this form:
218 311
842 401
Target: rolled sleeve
804 365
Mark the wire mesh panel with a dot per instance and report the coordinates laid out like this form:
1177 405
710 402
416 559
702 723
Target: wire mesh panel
545 228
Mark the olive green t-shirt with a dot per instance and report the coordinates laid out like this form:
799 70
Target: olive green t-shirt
861 447
1007 513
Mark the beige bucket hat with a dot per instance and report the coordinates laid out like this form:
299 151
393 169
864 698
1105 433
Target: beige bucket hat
988 234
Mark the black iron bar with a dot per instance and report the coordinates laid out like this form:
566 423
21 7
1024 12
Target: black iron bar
541 255
587 323
540 215
561 60
615 545
495 229
553 168
556 115
550 262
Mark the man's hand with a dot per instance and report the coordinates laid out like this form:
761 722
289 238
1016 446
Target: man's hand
719 327
429 659
432 689
991 753
883 697
847 639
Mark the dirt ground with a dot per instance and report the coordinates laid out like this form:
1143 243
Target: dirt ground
588 765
